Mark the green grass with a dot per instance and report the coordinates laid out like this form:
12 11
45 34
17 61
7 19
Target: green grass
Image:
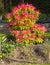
31 64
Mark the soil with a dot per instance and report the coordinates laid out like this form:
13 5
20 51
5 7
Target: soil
33 54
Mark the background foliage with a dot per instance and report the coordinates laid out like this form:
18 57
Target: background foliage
43 5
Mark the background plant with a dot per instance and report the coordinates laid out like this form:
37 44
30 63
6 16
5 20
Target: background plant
5 46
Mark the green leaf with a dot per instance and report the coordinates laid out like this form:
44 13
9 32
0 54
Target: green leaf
1 55
2 38
47 34
39 40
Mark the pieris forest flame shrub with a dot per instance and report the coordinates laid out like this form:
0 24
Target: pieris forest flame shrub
22 24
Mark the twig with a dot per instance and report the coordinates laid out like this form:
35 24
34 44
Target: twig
22 61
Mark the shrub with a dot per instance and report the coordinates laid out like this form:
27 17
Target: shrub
22 24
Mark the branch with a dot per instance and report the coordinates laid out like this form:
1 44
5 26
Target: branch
22 61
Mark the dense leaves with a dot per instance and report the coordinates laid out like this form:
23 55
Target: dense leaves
22 24
6 46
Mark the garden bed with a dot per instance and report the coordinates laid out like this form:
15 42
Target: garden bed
32 54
